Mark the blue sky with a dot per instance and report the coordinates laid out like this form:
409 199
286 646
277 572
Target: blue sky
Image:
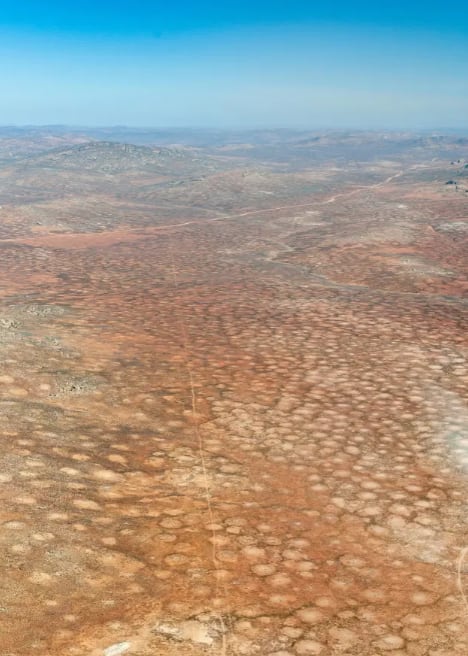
235 64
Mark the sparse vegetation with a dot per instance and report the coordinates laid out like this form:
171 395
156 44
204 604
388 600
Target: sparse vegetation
233 392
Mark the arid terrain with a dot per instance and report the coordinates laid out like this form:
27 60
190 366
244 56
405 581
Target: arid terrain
233 393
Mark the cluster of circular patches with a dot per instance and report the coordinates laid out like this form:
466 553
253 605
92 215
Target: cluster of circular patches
321 628
310 504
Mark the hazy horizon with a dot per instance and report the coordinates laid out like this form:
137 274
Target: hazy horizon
239 66
233 128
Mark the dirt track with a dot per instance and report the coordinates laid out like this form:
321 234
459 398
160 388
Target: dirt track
205 452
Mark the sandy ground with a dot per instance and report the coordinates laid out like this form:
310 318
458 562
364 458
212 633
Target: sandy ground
243 436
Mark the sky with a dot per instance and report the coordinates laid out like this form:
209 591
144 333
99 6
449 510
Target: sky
244 64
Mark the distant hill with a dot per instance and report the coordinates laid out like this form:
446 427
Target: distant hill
109 157
100 168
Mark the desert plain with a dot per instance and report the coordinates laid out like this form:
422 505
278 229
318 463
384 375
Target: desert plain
233 393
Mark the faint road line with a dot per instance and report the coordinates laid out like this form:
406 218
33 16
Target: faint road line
224 217
328 201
